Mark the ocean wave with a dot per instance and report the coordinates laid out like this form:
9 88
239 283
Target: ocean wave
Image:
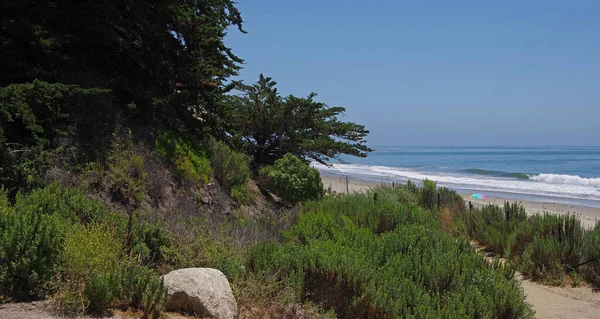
478 171
567 180
543 184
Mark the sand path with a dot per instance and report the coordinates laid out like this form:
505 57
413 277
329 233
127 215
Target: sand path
561 302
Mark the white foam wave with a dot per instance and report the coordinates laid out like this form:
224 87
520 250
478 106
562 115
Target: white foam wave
567 180
545 184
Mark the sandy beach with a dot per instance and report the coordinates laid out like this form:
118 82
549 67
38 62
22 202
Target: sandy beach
587 215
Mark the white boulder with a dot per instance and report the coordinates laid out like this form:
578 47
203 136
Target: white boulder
201 291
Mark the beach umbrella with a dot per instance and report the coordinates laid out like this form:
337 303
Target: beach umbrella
478 196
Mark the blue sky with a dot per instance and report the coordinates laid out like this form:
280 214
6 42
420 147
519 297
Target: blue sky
436 72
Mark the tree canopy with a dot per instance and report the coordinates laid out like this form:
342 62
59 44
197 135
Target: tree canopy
268 125
166 56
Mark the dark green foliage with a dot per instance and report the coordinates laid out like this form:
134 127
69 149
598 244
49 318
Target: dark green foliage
152 244
293 180
337 256
269 126
32 115
163 56
28 245
429 194
137 286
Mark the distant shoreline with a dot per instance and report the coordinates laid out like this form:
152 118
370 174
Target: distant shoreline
588 215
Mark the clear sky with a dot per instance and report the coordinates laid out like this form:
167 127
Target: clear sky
436 72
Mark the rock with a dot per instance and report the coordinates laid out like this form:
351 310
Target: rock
201 291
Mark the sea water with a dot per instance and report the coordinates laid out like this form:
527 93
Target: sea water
559 174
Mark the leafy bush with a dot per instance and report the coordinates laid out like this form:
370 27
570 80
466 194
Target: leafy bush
89 251
70 204
191 161
591 256
338 256
241 194
32 234
231 168
28 245
152 244
293 179
411 271
88 255
32 115
126 176
100 292
542 260
429 194
545 247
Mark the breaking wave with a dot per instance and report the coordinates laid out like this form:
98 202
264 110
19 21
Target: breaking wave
567 186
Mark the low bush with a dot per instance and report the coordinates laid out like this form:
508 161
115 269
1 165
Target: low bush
28 245
545 247
590 263
152 242
32 233
293 180
32 115
191 160
126 177
231 168
337 255
87 257
241 194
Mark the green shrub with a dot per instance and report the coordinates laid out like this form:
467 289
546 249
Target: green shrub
100 291
429 194
152 244
542 260
70 204
241 194
191 161
591 255
32 233
231 168
28 245
126 177
31 116
139 287
89 251
87 259
337 255
294 180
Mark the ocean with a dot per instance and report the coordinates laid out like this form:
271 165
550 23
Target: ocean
569 175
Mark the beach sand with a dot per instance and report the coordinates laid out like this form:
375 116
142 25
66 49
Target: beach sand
548 302
587 215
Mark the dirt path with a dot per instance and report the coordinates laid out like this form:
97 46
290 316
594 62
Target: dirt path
548 303
39 310
561 302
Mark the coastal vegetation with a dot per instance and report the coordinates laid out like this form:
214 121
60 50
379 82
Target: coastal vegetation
126 152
